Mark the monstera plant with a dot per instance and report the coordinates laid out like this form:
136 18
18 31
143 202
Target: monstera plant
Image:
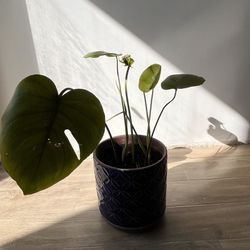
34 147
35 150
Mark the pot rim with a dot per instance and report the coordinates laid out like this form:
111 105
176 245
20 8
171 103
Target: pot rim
132 169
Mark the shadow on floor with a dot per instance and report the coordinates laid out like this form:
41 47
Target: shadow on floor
178 154
205 208
3 173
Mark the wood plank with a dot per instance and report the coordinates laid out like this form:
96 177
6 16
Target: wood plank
215 191
208 208
235 244
210 163
186 224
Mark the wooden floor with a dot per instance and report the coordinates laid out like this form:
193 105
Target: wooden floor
208 207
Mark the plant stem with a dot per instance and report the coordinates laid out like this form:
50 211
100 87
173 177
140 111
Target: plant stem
124 110
157 121
149 130
129 114
112 142
124 150
146 107
148 125
151 105
139 140
148 115
112 117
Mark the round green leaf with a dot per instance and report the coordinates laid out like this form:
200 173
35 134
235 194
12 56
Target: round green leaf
181 81
96 54
34 148
149 77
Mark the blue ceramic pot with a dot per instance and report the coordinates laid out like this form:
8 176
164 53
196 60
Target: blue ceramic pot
131 198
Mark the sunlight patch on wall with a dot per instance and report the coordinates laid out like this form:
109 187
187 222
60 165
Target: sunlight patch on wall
63 32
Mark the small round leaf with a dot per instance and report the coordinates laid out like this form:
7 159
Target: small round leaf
181 81
149 77
96 54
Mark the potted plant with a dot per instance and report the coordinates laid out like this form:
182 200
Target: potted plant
130 169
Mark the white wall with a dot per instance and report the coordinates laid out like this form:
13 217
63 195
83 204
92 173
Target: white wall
209 37
64 30
17 54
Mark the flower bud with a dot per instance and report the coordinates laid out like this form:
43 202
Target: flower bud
127 60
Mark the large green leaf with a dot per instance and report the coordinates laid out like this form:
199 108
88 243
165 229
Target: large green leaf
33 146
96 54
149 77
181 81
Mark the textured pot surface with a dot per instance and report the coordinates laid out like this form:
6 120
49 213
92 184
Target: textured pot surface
133 198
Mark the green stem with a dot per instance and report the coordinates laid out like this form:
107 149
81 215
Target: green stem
157 121
151 105
149 130
124 150
146 106
112 117
148 115
129 114
112 142
124 110
139 140
148 125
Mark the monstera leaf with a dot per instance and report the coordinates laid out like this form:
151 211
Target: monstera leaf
149 77
34 148
181 81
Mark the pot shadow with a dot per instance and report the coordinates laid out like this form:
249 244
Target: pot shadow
197 214
3 173
217 130
177 154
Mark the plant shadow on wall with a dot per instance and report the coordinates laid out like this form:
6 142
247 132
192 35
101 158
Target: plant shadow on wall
217 130
202 195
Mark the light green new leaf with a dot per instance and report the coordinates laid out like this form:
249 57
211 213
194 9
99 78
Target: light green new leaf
181 81
96 54
149 77
33 146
